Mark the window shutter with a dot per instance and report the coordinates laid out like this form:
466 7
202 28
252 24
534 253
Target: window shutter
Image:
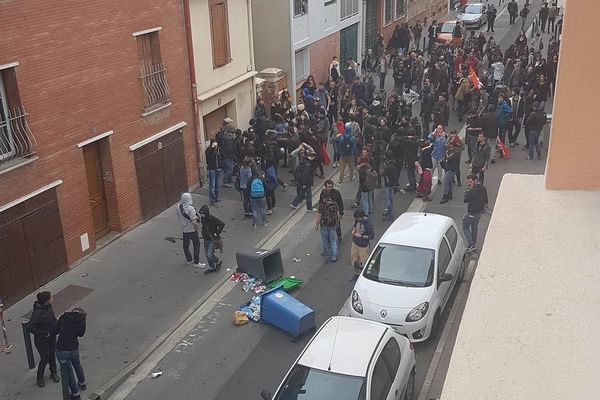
219 30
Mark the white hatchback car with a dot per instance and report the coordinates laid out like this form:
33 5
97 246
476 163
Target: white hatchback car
351 359
410 275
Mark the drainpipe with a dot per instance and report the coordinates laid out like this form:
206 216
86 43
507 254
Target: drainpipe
251 52
192 68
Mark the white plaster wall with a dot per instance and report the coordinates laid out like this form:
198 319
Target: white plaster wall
530 326
240 48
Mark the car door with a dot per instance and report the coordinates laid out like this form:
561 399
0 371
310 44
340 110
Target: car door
452 239
444 258
386 378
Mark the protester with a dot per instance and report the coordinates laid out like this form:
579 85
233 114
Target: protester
476 197
213 166
362 234
70 327
188 220
327 220
42 324
211 228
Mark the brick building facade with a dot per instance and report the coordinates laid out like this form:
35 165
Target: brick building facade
96 129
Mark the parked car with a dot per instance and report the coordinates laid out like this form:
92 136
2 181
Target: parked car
351 359
444 33
410 274
472 15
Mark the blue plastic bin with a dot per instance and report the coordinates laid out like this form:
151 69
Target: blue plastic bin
286 313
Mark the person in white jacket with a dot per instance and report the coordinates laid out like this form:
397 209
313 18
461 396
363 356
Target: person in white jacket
498 68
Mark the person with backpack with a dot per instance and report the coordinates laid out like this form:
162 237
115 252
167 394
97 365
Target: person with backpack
304 177
335 194
211 228
258 202
347 152
42 325
362 234
391 174
328 216
188 219
535 122
70 327
367 180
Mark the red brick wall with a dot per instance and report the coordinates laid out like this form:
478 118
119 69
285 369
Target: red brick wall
78 77
321 52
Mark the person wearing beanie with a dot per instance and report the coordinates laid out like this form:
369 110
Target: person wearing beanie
42 325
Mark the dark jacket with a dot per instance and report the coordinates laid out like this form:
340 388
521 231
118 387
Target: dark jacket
70 326
410 147
489 124
425 157
391 173
366 228
211 226
536 120
335 196
43 321
477 198
482 155
304 173
213 158
362 178
453 161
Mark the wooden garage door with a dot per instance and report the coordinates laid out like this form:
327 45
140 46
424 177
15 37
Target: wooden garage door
161 174
32 249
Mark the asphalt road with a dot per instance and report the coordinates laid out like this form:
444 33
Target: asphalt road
217 360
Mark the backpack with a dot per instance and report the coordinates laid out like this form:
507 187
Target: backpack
346 146
257 188
372 179
330 213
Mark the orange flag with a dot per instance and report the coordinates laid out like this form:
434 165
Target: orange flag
474 78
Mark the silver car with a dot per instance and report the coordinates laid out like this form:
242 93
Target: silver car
472 15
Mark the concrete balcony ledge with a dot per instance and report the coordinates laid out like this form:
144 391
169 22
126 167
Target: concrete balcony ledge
531 326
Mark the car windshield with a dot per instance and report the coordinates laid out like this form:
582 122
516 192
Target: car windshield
304 383
401 265
471 9
448 27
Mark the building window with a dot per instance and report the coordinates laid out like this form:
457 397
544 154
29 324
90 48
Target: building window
16 139
301 63
348 8
219 32
388 10
152 72
300 7
400 8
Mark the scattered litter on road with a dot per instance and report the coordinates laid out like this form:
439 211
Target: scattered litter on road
308 254
296 260
156 374
84 275
286 283
293 276
240 318
201 265
252 309
228 269
250 283
402 191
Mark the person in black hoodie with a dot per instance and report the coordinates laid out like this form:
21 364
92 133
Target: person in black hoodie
42 324
391 174
70 327
452 166
211 233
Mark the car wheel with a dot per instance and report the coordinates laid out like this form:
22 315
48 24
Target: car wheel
409 394
435 326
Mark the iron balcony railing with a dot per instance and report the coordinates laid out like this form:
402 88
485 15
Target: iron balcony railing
154 82
16 139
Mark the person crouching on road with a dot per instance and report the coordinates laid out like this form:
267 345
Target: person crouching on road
70 327
211 233
42 324
362 234
188 219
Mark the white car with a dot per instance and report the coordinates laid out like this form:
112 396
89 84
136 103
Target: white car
410 274
472 15
351 359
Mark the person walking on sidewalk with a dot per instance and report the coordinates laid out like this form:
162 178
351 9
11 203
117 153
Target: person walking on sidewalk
213 165
391 174
188 219
513 11
452 165
552 14
438 152
524 13
491 17
211 227
71 326
42 325
335 194
362 234
305 178
328 216
476 197
535 122
544 16
481 157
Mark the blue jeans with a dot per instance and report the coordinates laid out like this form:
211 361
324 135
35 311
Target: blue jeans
227 169
209 251
259 210
469 226
336 151
534 142
213 185
365 199
70 360
448 182
389 199
329 239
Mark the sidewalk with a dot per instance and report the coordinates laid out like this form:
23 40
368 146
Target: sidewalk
134 290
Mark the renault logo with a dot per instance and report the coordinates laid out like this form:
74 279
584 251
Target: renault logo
383 313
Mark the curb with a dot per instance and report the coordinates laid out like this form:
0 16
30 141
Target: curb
114 383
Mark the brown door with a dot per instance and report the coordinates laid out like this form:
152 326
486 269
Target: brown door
213 122
16 279
161 173
93 171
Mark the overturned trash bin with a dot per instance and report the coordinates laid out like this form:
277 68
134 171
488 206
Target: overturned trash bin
286 313
265 265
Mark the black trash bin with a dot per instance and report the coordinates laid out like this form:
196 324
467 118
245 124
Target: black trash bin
265 265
